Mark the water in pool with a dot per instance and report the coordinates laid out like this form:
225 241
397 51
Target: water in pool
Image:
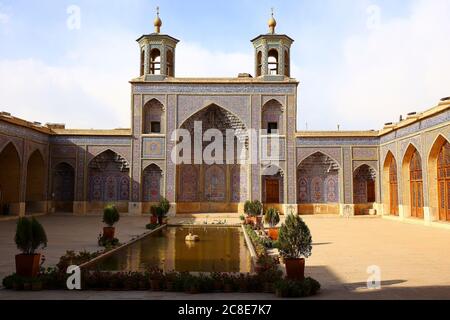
220 249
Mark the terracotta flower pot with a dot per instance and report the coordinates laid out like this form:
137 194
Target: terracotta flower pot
155 285
295 269
109 232
27 265
273 234
258 220
154 220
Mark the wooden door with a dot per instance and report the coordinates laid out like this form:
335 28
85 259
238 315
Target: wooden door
416 185
393 188
443 167
272 191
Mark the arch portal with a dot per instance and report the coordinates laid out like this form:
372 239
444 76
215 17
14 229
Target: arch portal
63 187
108 181
35 184
215 184
9 180
318 180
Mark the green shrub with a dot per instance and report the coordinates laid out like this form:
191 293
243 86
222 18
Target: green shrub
111 215
253 208
295 239
297 289
272 217
151 226
30 235
164 204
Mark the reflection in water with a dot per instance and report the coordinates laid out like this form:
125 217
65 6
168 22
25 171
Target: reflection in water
220 249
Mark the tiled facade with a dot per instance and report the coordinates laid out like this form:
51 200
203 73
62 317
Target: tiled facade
142 169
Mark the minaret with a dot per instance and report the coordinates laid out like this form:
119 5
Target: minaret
157 53
272 53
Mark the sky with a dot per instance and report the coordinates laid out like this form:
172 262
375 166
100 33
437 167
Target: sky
360 63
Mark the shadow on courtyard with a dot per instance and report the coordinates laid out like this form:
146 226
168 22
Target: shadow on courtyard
334 288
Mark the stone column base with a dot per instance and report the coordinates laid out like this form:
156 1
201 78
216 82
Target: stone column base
80 207
173 210
403 211
21 209
135 208
290 209
346 210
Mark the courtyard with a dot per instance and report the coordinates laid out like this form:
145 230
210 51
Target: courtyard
412 258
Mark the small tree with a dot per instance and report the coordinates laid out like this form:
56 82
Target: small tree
111 215
30 235
165 206
253 208
272 217
295 239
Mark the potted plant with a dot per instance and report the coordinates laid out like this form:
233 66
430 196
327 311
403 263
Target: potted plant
295 244
110 216
253 209
164 204
154 213
272 218
30 235
6 209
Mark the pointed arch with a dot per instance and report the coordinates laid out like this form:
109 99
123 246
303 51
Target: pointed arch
155 61
108 178
259 64
9 178
390 185
272 117
273 62
198 113
272 177
35 183
439 179
364 178
287 63
63 187
152 183
153 117
318 180
170 63
412 195
322 152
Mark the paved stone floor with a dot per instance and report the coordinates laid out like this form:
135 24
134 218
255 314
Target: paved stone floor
414 260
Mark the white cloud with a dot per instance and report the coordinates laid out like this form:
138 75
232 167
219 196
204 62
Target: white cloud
4 18
400 67
194 60
89 88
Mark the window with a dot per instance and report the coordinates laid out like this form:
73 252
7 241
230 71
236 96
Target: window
272 128
273 62
287 70
155 127
259 64
170 70
155 62
142 62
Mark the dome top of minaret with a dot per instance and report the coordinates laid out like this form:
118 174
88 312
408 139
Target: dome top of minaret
158 22
272 23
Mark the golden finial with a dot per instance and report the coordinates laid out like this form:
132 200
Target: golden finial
158 22
272 23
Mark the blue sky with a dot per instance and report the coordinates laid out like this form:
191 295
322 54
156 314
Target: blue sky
360 63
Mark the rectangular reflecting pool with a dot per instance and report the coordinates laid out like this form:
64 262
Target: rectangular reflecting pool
220 249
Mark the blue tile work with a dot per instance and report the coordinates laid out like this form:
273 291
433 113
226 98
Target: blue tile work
25 133
270 88
86 140
416 127
363 141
